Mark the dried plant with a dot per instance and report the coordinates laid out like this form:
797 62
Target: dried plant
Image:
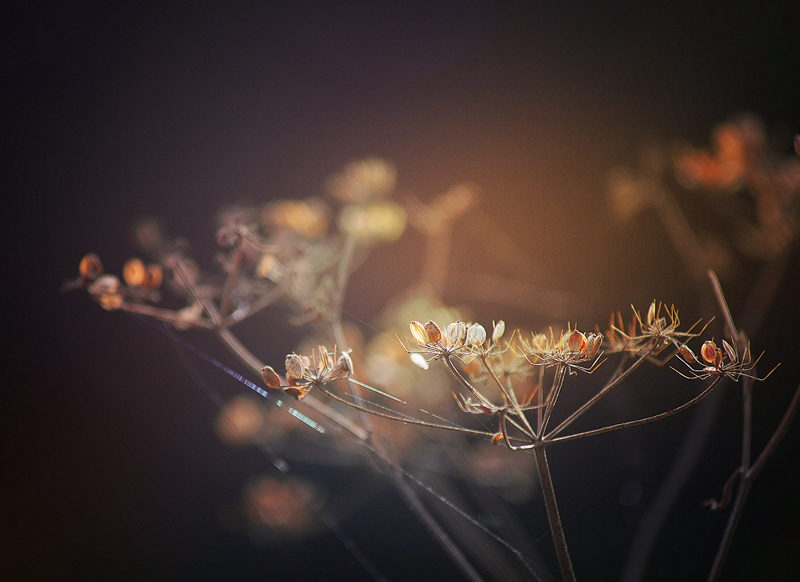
451 379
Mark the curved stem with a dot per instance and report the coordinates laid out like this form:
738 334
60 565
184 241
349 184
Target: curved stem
640 421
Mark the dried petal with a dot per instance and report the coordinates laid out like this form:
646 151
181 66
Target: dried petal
709 351
419 361
419 333
134 272
499 330
294 367
687 355
90 268
576 341
433 332
476 334
271 379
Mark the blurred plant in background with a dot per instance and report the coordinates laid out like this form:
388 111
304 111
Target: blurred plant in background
447 412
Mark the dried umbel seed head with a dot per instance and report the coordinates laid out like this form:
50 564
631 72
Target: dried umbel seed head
499 330
271 379
476 335
456 333
90 268
418 333
295 368
709 351
576 341
687 355
433 332
134 272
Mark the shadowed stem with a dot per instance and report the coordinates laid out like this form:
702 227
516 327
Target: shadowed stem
553 516
748 476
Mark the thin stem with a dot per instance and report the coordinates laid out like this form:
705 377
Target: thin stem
377 454
613 382
509 397
748 477
166 315
404 419
230 281
640 421
265 300
558 382
553 516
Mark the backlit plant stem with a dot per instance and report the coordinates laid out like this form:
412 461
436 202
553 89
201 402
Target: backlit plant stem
553 517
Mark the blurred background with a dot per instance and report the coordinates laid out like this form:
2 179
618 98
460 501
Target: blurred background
113 112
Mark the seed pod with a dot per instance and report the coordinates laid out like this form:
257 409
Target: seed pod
593 342
476 335
271 379
651 313
134 273
499 330
687 354
433 332
709 351
324 359
419 361
730 351
153 277
90 268
456 333
294 367
298 392
111 301
105 285
497 438
576 341
344 365
418 332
